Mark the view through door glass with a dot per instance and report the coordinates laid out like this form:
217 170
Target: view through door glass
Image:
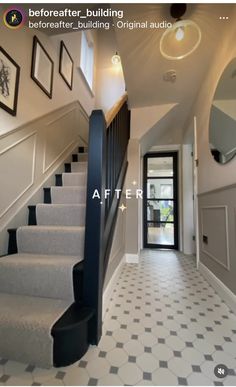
160 200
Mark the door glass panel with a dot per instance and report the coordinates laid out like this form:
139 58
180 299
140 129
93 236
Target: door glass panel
153 211
160 210
167 210
160 188
160 233
160 166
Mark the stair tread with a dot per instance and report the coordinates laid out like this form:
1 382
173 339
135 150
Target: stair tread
25 309
79 162
74 173
34 259
61 205
52 228
71 187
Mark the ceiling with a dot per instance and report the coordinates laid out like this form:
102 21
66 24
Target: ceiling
144 66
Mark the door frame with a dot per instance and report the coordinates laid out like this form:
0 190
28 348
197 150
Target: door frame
174 155
195 192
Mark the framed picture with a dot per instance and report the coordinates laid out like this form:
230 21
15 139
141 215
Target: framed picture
66 65
9 82
42 67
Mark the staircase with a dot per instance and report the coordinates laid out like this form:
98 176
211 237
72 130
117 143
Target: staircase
42 319
51 282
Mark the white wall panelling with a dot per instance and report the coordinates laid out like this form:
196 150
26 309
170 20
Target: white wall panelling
214 224
29 158
17 169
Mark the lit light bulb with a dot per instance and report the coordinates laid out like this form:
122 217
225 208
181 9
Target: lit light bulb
115 59
179 35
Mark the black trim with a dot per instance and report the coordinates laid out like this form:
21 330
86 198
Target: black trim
174 155
71 335
78 281
81 149
75 157
12 241
47 195
32 221
58 179
67 167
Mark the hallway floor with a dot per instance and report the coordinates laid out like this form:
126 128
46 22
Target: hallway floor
165 326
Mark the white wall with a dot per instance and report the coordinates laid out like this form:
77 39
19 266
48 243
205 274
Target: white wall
32 101
212 175
110 85
133 213
145 118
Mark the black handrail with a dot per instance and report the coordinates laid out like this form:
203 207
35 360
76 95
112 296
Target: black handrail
107 165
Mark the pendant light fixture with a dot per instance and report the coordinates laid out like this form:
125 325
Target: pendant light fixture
183 38
115 59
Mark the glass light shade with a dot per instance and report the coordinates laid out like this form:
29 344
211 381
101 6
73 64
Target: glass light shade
115 59
180 40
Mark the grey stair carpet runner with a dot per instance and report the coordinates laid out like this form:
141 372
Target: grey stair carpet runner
36 285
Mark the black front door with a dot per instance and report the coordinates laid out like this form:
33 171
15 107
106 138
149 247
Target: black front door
161 200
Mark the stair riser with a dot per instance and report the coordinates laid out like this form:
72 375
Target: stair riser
36 281
54 215
82 157
34 277
74 179
68 195
50 242
79 167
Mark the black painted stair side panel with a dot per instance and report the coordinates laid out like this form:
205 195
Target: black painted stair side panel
67 167
58 179
12 242
81 149
78 277
32 221
47 195
75 157
71 335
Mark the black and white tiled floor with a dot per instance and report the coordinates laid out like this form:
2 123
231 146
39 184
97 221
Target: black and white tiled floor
165 326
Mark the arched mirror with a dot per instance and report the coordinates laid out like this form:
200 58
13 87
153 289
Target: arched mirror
222 128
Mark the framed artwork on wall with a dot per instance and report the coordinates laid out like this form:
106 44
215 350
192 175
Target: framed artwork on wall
9 82
66 65
42 67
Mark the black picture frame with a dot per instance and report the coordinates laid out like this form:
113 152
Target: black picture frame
62 71
39 54
8 85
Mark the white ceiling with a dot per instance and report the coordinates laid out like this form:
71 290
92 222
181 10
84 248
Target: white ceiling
144 66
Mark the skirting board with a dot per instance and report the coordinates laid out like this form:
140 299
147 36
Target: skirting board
109 289
228 297
132 258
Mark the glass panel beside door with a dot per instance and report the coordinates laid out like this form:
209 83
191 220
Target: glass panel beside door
160 200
